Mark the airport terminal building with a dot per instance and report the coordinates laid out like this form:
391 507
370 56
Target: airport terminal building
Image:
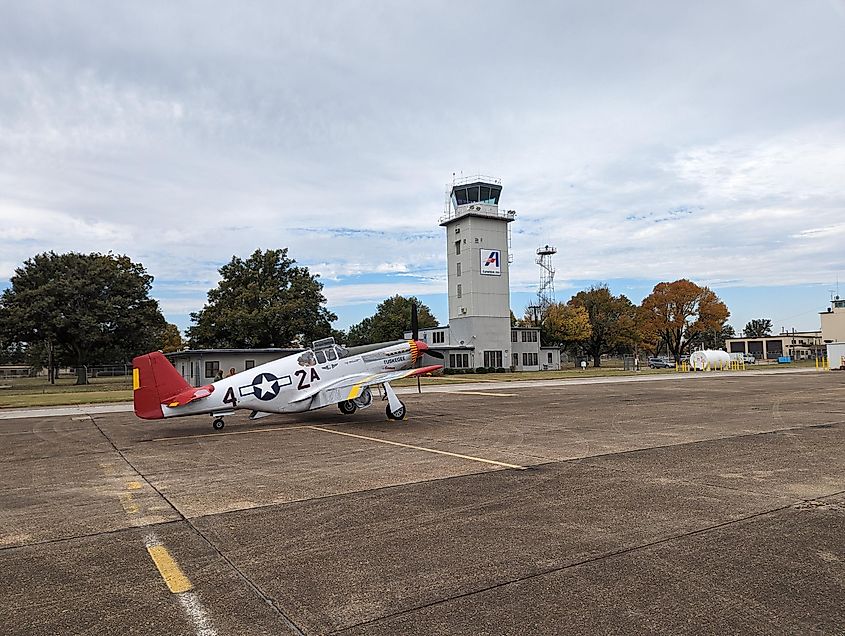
479 332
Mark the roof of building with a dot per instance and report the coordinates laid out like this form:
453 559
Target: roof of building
191 352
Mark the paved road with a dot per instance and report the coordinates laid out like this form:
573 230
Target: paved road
663 507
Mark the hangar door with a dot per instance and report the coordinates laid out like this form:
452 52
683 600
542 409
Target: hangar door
755 348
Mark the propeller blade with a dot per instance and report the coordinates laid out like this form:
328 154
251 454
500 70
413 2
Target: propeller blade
415 323
423 348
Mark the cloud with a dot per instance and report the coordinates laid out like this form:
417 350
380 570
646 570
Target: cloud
650 141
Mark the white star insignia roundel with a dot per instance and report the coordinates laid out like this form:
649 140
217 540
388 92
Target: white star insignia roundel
265 386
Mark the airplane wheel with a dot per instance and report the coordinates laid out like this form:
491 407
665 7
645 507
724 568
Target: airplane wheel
218 424
347 407
397 415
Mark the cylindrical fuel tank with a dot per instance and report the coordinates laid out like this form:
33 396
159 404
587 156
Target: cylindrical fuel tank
709 359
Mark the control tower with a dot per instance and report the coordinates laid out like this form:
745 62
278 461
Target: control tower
478 262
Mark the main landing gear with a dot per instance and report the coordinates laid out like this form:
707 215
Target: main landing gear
218 423
395 407
398 414
348 407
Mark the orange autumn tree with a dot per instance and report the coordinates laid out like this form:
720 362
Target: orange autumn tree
678 312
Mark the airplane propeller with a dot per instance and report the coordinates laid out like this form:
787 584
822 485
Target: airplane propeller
415 334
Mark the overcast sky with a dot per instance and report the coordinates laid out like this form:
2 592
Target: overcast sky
648 141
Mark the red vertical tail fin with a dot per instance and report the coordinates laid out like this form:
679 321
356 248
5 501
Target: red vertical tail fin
154 380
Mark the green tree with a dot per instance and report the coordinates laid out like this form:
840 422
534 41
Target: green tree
681 313
391 320
170 339
612 321
86 308
565 325
758 328
265 300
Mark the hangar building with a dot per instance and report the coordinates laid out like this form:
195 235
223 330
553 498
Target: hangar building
479 332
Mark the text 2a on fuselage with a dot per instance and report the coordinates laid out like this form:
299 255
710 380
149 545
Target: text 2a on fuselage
327 374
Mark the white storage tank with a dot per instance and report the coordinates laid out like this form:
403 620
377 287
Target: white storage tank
836 355
708 359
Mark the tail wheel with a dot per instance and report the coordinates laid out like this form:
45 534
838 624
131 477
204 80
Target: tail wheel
218 424
347 407
398 414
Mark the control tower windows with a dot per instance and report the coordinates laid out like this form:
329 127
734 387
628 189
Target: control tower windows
458 248
476 193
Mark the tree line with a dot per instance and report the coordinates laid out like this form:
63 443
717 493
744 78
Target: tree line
675 318
78 309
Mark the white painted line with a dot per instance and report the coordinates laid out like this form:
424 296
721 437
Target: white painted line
196 614
420 448
190 603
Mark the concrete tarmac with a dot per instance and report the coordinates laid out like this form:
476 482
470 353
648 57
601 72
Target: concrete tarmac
658 507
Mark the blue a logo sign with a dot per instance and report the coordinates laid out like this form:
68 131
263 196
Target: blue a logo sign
491 262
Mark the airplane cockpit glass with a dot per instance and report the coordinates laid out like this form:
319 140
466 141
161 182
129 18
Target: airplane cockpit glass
321 357
342 352
331 354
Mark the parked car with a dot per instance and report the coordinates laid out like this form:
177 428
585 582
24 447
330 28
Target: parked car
660 363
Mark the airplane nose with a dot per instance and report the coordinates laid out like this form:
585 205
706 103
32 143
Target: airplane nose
421 346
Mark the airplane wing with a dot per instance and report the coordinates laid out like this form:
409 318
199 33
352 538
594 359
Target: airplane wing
350 387
189 395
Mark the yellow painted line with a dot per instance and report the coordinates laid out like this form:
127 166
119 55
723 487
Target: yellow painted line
136 380
481 393
420 448
169 569
134 485
129 506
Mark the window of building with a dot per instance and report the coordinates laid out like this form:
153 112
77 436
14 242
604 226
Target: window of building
438 337
459 290
529 336
458 248
249 364
183 370
493 359
513 335
458 269
515 360
529 359
550 357
457 230
459 360
211 368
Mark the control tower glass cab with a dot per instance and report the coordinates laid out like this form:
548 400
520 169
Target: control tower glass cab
477 192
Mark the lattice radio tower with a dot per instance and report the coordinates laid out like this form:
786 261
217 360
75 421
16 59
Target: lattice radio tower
546 292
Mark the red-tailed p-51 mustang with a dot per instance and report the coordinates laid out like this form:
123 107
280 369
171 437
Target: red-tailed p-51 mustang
323 375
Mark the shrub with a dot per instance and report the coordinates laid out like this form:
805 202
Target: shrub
501 370
481 370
